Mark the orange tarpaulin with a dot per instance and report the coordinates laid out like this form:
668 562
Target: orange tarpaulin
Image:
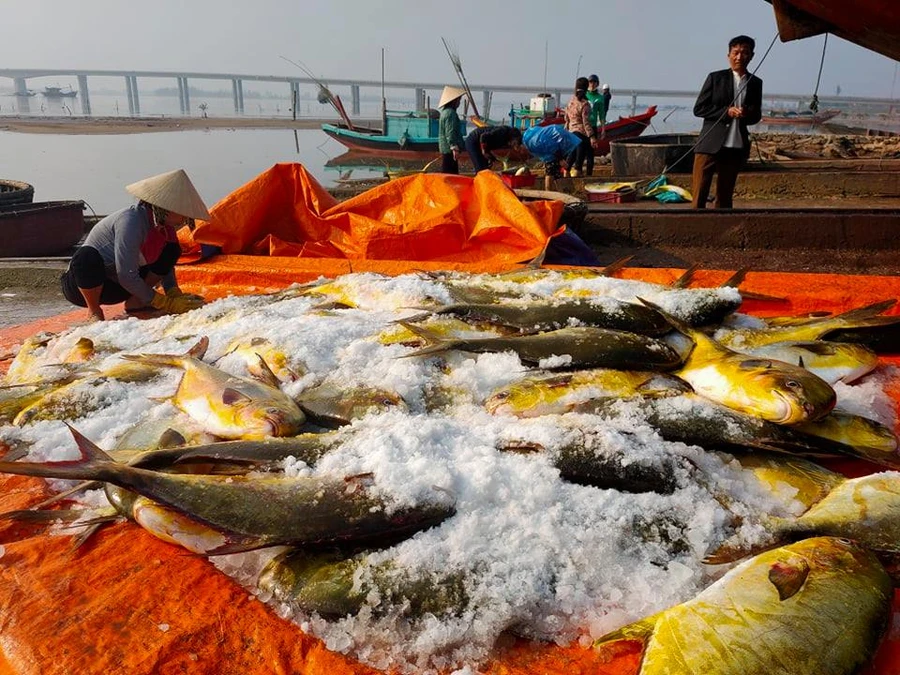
131 603
285 212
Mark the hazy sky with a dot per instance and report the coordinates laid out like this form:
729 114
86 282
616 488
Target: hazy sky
641 43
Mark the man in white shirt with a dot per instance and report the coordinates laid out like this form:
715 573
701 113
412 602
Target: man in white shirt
729 101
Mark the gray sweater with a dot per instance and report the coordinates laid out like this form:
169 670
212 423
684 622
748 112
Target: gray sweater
118 239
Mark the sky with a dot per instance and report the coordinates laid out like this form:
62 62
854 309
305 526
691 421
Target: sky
650 44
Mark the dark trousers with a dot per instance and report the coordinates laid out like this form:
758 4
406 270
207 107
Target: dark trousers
581 154
87 270
473 147
726 164
448 164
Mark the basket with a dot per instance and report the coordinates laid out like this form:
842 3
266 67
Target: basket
611 193
514 181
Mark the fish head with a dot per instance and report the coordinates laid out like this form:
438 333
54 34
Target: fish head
261 417
787 394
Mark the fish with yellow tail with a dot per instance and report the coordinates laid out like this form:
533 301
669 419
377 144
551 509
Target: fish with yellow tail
773 390
865 509
868 317
227 405
216 515
832 361
817 607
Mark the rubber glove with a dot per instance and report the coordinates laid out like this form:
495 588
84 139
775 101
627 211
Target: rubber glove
175 292
178 304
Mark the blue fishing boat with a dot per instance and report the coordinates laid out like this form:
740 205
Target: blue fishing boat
402 131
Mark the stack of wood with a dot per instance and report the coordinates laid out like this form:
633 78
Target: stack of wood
780 146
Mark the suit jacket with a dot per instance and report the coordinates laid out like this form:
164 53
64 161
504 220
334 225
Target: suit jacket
716 96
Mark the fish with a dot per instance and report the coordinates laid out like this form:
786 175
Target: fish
869 439
584 346
262 357
558 393
21 368
227 405
695 420
817 607
216 515
78 396
832 361
446 327
590 461
332 408
536 317
335 584
771 389
15 398
865 509
807 330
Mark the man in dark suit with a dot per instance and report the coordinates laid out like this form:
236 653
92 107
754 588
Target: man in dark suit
730 100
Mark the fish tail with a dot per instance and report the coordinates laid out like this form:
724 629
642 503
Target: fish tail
94 464
198 351
685 279
868 311
676 323
615 266
436 343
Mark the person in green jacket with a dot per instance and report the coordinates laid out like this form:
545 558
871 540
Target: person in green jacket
450 139
598 105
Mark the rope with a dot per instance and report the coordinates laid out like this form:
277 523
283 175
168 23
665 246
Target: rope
725 112
814 104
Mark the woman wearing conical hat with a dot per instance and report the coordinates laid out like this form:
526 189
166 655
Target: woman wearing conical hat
450 138
130 252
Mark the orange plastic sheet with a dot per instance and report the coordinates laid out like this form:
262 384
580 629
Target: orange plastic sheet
285 212
130 603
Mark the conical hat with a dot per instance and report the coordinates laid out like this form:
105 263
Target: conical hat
450 94
172 191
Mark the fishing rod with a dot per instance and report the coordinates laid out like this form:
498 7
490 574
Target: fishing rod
324 93
457 66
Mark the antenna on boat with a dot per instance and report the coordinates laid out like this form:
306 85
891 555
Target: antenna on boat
578 67
325 95
457 66
546 53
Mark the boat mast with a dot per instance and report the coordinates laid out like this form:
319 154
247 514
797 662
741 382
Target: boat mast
383 99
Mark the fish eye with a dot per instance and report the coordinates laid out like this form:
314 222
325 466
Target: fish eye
792 384
502 396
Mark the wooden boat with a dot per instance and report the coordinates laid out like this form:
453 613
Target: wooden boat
798 118
624 127
59 92
40 228
405 132
873 24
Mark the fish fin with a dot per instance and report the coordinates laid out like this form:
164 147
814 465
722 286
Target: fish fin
736 279
675 322
789 576
673 386
43 515
93 527
266 376
416 318
91 465
616 266
16 453
198 351
436 343
639 630
60 496
868 311
232 396
761 297
538 261
171 439
685 279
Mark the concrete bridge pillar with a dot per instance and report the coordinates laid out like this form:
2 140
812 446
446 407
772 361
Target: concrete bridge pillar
184 96
20 86
486 97
295 98
85 95
354 99
129 95
633 105
237 93
420 98
131 90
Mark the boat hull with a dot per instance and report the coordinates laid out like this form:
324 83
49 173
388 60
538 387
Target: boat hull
40 229
873 24
377 143
799 120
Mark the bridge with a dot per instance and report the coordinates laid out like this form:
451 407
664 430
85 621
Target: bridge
20 77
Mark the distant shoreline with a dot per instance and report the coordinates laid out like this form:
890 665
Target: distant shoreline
138 125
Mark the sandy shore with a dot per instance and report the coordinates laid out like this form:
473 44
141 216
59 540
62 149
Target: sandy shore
136 125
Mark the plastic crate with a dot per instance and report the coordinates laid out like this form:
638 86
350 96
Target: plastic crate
612 195
514 181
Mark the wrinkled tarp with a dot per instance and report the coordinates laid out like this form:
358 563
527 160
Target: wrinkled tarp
130 603
285 212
